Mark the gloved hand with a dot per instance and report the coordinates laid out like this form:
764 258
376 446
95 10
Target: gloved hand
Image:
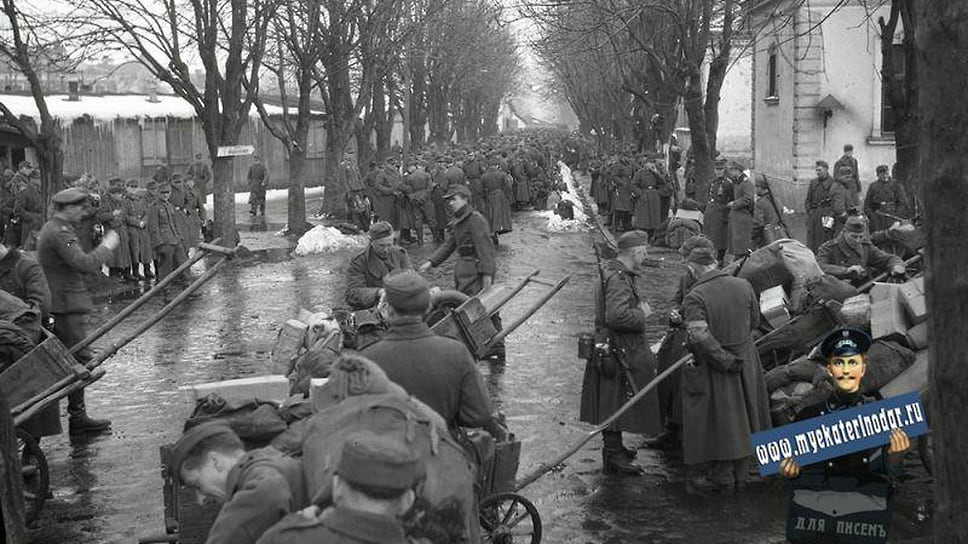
111 240
675 318
898 270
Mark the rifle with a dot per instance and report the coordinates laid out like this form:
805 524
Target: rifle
779 212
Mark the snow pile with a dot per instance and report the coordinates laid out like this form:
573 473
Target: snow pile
322 239
555 221
242 197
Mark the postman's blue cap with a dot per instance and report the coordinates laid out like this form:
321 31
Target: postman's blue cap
845 341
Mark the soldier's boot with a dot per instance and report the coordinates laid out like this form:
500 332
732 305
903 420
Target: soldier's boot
670 439
79 423
616 457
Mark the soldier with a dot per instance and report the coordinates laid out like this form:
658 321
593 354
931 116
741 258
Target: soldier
740 211
181 198
496 185
826 206
23 277
522 185
886 201
851 256
648 202
28 209
365 273
617 371
767 221
258 488
139 239
373 487
716 209
113 214
620 179
64 264
258 181
724 396
436 370
7 196
471 237
845 176
385 188
419 186
163 231
201 172
849 162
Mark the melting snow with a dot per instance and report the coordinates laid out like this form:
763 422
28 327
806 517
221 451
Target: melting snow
322 239
571 194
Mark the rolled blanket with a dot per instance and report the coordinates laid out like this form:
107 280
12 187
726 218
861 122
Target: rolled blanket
354 375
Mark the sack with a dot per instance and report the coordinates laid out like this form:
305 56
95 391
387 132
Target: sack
254 421
680 230
827 287
445 497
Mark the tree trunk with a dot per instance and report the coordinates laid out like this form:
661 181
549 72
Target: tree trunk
50 154
702 152
297 191
942 35
223 198
334 197
902 94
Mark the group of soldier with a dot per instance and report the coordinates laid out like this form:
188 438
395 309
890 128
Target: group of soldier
501 176
158 221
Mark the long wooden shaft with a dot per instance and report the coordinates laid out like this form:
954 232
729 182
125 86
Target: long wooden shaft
527 315
106 354
517 289
131 308
56 396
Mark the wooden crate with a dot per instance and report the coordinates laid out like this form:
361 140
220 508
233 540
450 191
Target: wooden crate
470 324
42 367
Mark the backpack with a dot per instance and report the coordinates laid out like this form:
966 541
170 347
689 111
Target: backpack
446 496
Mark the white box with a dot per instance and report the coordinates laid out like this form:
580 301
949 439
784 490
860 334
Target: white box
856 311
773 306
267 388
695 215
912 294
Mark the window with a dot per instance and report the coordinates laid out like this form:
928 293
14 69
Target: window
888 115
771 75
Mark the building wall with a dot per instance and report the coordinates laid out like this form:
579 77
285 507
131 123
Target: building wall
735 114
130 148
839 57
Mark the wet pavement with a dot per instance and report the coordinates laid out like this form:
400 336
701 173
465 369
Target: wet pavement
109 489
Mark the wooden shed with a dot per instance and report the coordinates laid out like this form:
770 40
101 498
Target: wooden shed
128 136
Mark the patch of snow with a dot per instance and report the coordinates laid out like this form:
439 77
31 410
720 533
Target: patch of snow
555 222
323 239
110 107
272 194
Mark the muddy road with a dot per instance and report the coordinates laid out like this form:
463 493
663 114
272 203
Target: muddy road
108 489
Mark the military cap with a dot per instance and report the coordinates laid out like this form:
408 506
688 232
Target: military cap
193 437
163 186
116 182
692 243
70 196
151 185
845 341
855 223
720 162
372 460
736 165
882 168
176 178
380 229
407 291
132 183
848 147
633 238
704 255
822 163
458 190
25 164
844 169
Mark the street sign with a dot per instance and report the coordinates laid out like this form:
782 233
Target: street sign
235 150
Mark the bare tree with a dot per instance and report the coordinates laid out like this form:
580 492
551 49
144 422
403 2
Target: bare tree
227 37
942 39
901 89
23 46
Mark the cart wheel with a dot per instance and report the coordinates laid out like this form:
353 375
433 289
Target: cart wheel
33 465
926 451
509 518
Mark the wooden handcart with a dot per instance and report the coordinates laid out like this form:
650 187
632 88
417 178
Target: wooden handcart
49 372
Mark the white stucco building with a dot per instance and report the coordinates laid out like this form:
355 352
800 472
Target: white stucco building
817 86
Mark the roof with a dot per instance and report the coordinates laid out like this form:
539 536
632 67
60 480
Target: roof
111 107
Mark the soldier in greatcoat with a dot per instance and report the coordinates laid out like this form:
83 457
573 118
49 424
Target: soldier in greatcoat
715 207
112 214
648 202
385 188
201 172
496 186
365 273
64 264
886 201
418 188
166 239
826 206
847 165
522 185
767 221
614 375
740 211
139 240
620 177
28 208
258 181
470 237
724 396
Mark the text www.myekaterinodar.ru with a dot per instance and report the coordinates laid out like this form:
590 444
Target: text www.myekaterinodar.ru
826 436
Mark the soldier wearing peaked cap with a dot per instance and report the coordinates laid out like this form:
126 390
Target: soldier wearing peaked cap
373 487
364 276
843 353
623 362
64 264
258 488
851 256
